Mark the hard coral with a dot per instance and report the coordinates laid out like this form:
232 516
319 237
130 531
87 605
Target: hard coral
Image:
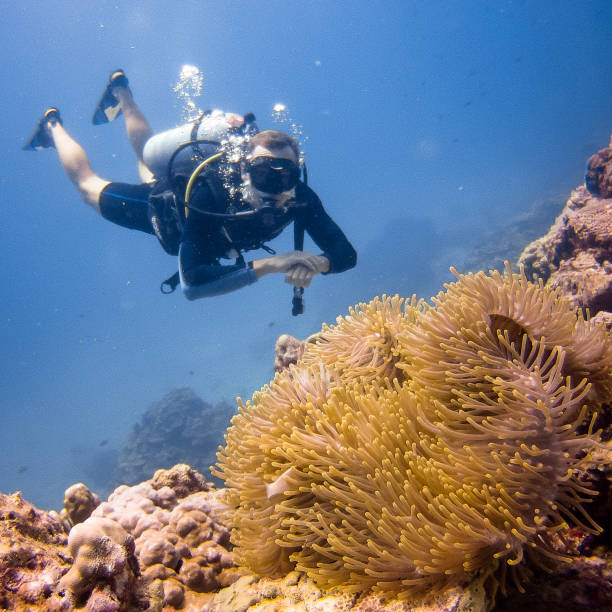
33 556
599 173
181 544
297 593
79 503
287 350
104 570
576 252
443 440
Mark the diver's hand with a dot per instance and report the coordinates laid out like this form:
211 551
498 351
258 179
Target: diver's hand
315 263
285 262
299 276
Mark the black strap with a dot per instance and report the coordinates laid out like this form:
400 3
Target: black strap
297 303
268 249
170 284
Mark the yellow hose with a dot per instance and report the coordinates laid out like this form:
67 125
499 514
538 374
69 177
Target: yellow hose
195 174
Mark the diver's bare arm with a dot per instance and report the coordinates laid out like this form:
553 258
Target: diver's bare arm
285 262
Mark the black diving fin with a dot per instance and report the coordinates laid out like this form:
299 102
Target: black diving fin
40 138
109 107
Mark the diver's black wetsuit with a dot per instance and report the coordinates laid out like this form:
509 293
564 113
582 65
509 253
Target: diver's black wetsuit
207 239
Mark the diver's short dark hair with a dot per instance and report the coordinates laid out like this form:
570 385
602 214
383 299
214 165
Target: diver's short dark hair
274 140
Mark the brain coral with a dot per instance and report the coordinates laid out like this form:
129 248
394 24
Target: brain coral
416 444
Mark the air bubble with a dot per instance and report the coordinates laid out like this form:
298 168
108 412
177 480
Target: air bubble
281 115
188 89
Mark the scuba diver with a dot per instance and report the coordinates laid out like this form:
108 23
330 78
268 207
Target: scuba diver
204 202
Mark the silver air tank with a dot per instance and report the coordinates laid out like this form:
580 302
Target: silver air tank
213 126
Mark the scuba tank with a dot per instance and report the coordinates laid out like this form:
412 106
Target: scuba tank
206 135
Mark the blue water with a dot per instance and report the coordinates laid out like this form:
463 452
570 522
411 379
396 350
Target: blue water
431 126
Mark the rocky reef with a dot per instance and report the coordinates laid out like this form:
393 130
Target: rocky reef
179 428
576 253
33 554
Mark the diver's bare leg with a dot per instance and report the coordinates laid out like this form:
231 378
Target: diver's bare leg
137 128
76 165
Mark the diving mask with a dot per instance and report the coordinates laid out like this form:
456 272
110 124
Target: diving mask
273 174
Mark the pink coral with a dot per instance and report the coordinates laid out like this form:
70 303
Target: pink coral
104 569
576 252
599 173
287 350
180 538
170 525
79 503
33 556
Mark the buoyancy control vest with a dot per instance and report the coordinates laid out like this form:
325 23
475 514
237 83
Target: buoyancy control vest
180 156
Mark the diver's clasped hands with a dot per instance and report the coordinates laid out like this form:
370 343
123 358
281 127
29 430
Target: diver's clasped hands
299 267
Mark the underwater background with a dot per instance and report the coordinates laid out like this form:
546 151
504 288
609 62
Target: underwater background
435 133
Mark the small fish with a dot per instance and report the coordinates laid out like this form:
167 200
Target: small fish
103 442
23 468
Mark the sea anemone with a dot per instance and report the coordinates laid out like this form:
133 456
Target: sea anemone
444 440
484 324
363 345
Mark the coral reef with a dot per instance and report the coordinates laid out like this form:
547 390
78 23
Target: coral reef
104 574
599 173
179 428
412 457
180 540
158 545
581 584
576 252
104 570
79 503
33 555
415 445
287 350
297 593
